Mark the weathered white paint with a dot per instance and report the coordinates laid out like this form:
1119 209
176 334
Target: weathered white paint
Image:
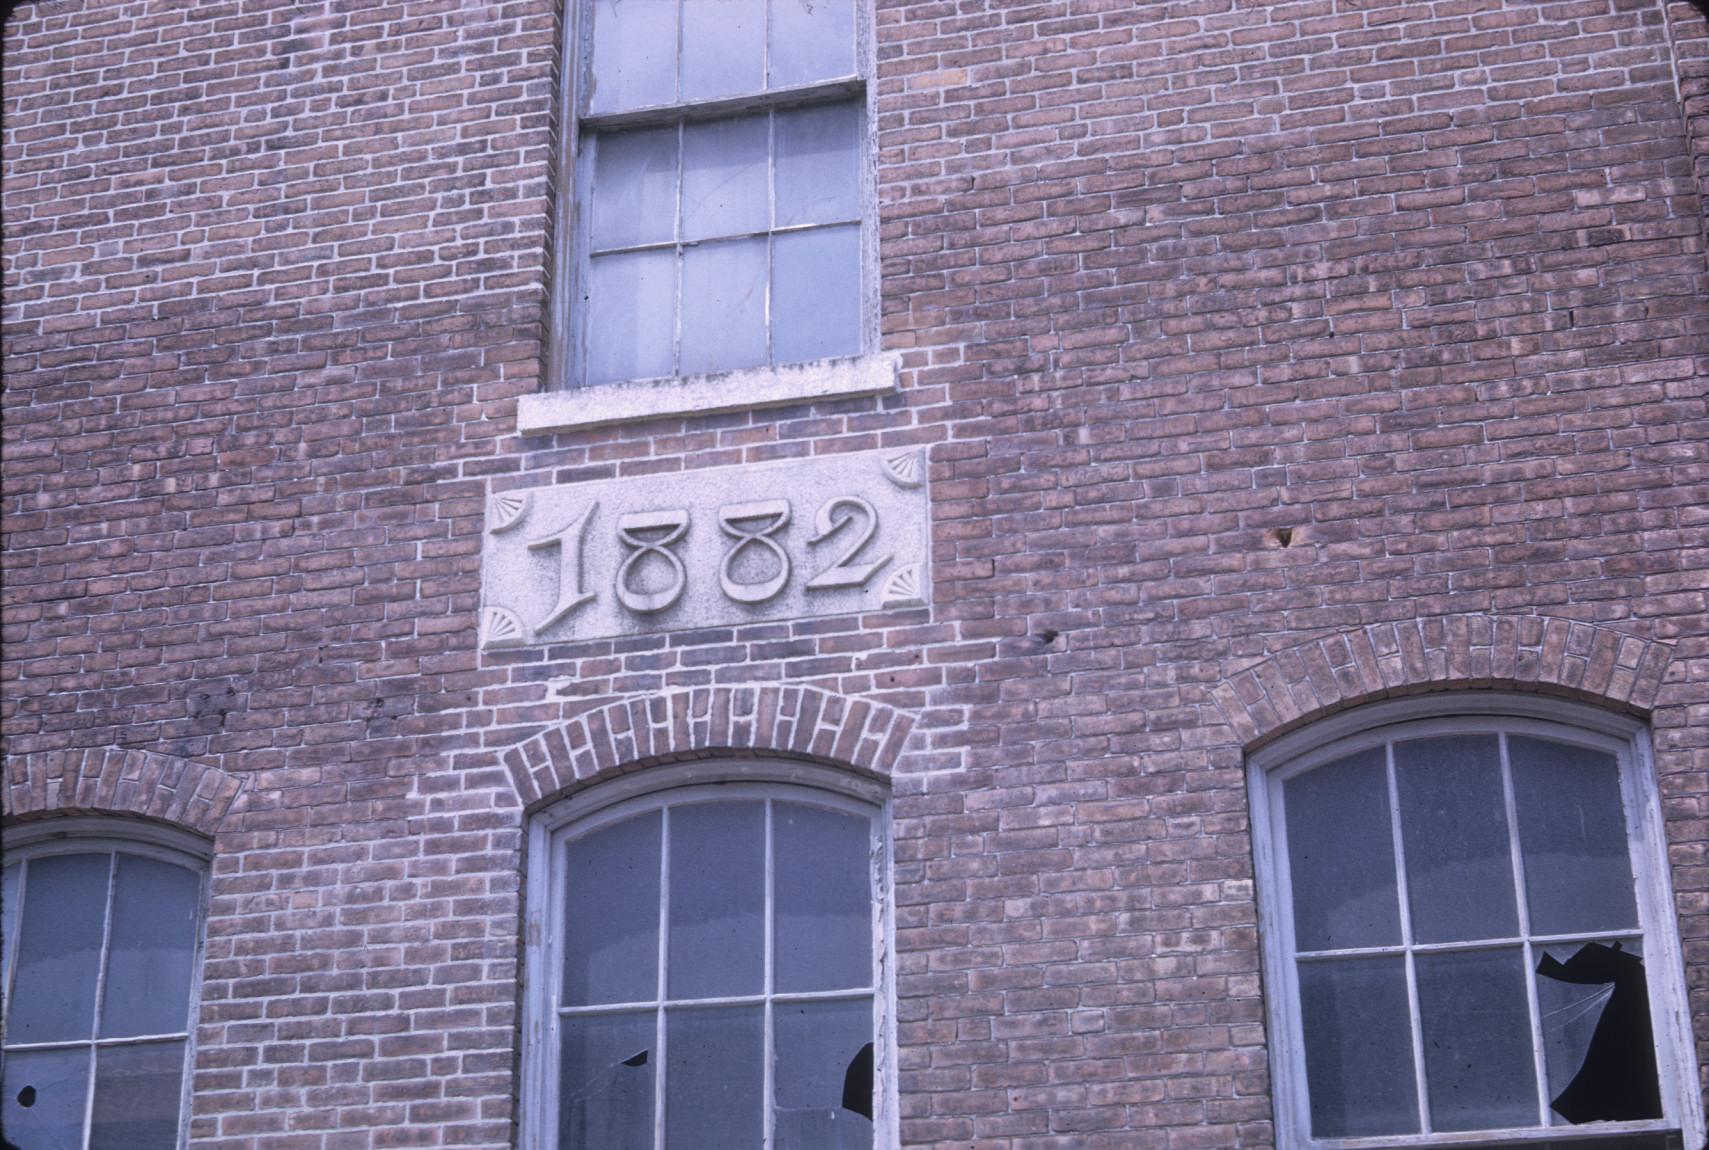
603 404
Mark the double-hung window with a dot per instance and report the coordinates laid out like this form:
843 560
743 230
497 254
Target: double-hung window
717 220
103 925
1468 931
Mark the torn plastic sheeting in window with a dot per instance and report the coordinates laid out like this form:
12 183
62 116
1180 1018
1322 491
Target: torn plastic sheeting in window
1615 1077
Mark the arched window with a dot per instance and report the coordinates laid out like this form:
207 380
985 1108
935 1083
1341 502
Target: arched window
103 929
708 966
1467 928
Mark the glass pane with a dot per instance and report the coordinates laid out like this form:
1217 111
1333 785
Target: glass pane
150 956
605 1089
611 914
713 1066
1478 1059
822 1074
818 164
1358 1047
1572 836
8 918
634 55
723 306
723 48
1341 854
42 1096
1453 822
822 887
59 949
137 1096
717 928
631 315
811 40
816 294
1598 1044
724 178
634 188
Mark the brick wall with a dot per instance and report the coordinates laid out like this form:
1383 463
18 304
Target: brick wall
1232 328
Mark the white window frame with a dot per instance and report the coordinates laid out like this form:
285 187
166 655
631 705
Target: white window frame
112 836
568 403
721 779
1466 713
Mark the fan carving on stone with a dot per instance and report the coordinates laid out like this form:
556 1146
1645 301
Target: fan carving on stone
904 588
907 469
506 509
502 628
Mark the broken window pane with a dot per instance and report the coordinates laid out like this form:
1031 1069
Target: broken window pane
811 40
823 892
713 1083
723 48
634 178
1358 1047
151 950
631 316
1572 837
823 1075
137 1095
818 164
816 294
717 899
59 950
1453 822
724 177
723 306
1598 1043
1478 1059
605 1088
634 55
1341 854
42 1096
611 914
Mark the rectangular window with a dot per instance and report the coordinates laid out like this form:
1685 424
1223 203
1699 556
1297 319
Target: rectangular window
719 216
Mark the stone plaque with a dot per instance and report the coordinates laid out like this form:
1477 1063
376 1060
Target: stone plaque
829 535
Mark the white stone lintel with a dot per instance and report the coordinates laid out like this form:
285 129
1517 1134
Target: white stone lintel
604 404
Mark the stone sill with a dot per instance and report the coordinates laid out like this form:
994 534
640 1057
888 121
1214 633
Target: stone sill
605 404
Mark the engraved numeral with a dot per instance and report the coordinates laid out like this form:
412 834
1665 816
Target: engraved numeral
731 518
675 525
569 545
832 517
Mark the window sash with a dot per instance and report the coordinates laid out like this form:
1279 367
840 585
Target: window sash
1486 713
775 312
581 47
571 249
27 846
637 795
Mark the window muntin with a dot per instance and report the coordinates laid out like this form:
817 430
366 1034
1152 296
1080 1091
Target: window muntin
102 949
1459 914
721 150
747 1009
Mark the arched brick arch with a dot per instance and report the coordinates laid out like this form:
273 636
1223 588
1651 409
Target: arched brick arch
701 722
116 781
1383 660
